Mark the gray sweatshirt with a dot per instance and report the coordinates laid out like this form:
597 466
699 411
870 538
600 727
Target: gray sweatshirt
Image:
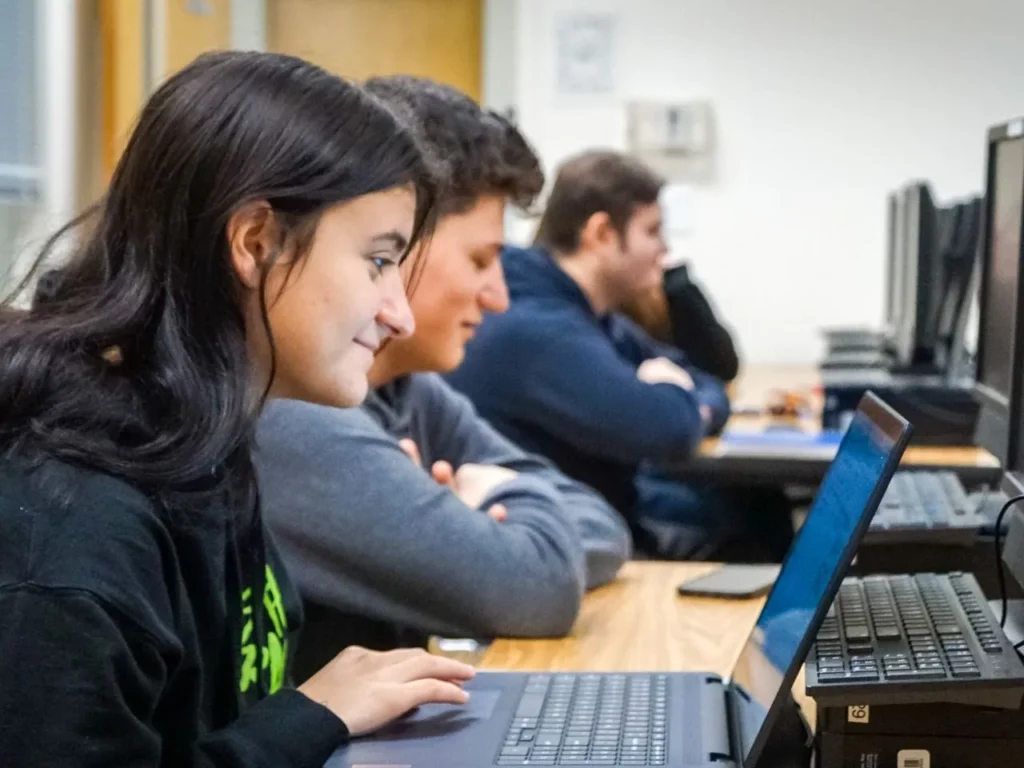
365 532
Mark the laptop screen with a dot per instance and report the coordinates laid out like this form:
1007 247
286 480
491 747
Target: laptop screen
815 565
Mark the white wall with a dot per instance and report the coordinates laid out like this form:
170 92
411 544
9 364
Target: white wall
821 108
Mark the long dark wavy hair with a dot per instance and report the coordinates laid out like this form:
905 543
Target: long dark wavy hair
132 359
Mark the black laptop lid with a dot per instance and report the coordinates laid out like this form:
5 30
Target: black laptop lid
814 568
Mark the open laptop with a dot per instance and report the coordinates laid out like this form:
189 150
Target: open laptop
668 719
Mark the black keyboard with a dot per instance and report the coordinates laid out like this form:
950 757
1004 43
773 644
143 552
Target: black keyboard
910 629
926 507
857 360
988 504
589 720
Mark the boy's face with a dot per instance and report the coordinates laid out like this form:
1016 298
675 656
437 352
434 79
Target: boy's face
460 279
638 265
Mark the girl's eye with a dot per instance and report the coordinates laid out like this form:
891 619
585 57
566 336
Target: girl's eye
483 262
380 263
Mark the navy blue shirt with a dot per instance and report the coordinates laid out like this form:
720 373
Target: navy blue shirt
561 381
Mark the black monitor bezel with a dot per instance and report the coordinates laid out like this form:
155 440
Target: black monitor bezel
999 421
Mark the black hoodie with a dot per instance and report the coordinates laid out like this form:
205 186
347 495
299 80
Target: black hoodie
126 640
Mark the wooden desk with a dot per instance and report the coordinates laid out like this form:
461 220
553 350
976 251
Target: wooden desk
755 463
639 623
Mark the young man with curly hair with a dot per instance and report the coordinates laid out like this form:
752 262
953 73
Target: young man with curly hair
411 515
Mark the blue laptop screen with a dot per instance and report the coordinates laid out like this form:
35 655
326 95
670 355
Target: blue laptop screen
803 583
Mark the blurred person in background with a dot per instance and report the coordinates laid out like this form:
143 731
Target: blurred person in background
566 374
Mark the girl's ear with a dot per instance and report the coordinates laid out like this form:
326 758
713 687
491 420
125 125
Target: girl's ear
252 234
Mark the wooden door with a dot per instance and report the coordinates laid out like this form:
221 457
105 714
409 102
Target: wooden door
440 39
141 44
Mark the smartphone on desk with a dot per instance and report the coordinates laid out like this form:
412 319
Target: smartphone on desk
733 581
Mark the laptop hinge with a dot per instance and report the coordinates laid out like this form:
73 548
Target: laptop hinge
735 699
716 726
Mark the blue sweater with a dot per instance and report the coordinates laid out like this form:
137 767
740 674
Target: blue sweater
561 381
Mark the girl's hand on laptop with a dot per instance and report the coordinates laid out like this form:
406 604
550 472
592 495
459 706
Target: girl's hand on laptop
367 690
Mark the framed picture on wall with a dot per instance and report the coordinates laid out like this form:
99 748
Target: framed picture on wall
585 54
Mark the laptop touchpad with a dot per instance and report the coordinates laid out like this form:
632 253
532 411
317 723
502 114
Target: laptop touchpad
435 720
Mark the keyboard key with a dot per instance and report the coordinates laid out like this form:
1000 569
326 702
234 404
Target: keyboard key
857 632
915 674
831 677
964 672
530 705
513 751
861 676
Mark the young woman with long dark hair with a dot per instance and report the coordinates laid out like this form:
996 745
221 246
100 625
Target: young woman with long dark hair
248 247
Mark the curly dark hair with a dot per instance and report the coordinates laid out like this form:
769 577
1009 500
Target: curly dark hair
474 152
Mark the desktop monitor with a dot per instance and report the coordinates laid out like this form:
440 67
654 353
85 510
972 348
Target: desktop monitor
922 288
999 357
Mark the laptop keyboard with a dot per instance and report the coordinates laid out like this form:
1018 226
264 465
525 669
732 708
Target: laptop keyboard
589 720
908 628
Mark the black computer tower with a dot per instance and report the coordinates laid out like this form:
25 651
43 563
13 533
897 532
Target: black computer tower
920 736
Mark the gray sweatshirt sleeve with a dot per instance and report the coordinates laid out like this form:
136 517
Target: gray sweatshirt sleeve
452 430
364 530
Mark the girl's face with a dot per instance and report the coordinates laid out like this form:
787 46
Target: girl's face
339 302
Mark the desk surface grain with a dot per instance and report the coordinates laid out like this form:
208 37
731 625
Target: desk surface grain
640 623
